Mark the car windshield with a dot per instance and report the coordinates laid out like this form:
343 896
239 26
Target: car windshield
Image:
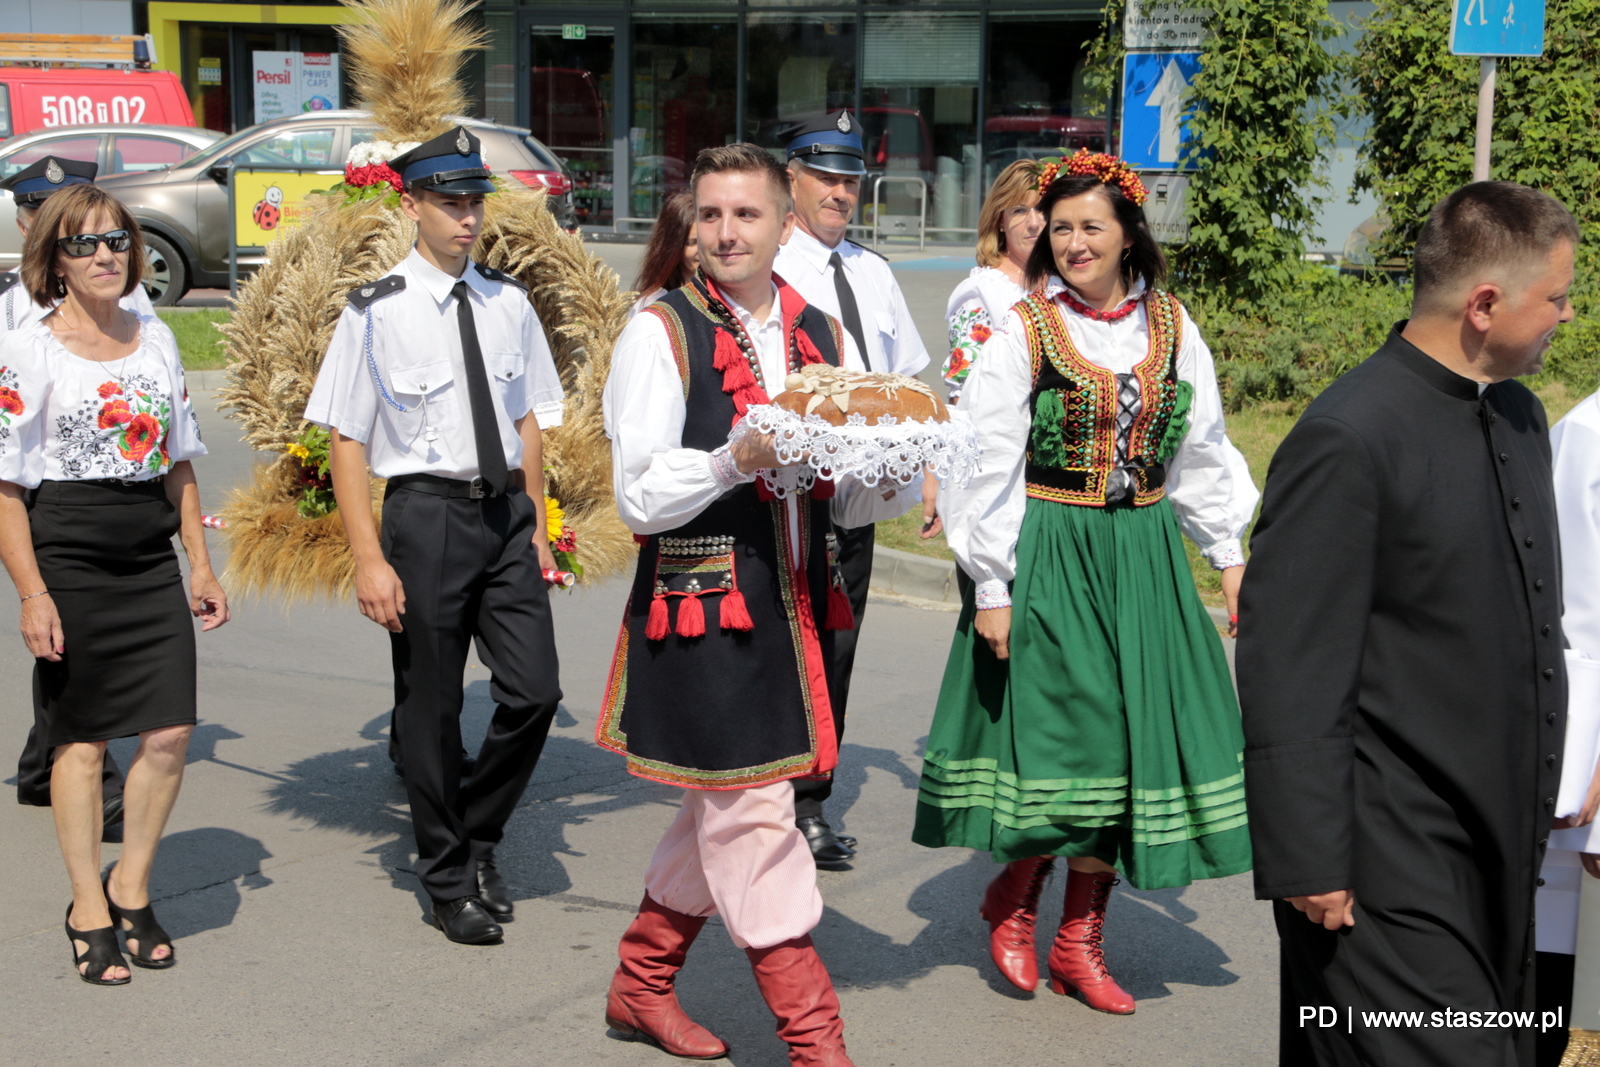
541 153
221 148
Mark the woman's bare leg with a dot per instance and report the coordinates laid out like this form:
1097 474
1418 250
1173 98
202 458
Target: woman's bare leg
75 802
151 790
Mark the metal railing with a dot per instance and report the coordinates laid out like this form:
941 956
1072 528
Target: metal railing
922 209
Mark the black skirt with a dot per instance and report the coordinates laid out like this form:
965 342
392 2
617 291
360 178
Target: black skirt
105 553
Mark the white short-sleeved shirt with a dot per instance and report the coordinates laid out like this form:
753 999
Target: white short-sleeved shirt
893 343
17 310
407 400
66 418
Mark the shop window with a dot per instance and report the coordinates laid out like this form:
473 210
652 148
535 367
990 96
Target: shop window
80 147
130 153
919 112
683 101
571 90
1036 102
798 67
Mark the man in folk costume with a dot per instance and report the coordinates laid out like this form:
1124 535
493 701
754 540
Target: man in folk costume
1400 657
30 187
439 378
721 678
827 163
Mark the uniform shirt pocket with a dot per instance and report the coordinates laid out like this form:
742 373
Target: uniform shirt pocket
425 391
508 372
888 331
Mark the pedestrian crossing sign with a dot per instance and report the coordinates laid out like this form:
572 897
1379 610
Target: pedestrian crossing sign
1497 28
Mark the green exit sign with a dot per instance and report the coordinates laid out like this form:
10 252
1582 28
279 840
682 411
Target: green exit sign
574 31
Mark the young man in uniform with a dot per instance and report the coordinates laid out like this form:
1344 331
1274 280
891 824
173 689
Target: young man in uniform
855 286
439 378
30 188
720 684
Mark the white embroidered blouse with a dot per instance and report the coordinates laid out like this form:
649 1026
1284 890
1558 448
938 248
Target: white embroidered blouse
66 418
978 302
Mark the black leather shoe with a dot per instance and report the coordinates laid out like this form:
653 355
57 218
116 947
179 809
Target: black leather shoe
493 893
464 921
825 846
847 841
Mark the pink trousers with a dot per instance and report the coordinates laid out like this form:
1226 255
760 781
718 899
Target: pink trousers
737 853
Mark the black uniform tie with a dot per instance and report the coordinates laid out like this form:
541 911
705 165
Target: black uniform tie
849 313
485 426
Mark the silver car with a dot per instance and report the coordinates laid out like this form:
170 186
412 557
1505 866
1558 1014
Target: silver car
183 209
117 149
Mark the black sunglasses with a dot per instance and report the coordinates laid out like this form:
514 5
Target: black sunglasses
84 244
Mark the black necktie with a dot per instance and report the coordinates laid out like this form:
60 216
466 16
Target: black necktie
848 312
485 426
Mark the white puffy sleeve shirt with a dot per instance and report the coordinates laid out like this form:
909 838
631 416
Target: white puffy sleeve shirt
408 402
659 484
66 418
1208 481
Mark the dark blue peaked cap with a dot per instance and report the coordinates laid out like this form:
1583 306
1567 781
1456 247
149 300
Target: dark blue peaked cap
451 163
32 185
831 143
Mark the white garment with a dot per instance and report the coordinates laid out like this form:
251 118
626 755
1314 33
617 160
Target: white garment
645 301
66 418
892 340
17 310
977 303
1208 480
659 484
1575 463
424 424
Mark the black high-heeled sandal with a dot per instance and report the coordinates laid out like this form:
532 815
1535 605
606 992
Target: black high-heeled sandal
101 955
142 927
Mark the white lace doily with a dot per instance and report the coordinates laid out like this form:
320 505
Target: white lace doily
889 452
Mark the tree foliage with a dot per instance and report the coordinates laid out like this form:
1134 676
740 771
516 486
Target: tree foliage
1260 130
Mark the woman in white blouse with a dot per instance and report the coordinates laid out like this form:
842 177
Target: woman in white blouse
1086 710
96 438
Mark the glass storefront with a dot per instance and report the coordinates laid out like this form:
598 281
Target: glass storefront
218 60
571 87
684 100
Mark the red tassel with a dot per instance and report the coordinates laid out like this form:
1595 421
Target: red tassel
732 364
656 629
733 613
808 348
691 617
840 615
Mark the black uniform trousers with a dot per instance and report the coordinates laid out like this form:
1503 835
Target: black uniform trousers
33 773
855 566
470 572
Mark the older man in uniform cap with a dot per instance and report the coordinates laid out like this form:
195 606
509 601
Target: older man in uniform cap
439 377
29 188
855 286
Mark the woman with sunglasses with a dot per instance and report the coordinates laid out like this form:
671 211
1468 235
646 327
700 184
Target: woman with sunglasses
96 438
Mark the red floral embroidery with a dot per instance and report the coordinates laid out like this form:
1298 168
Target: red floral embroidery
109 389
958 363
142 434
981 333
10 401
115 414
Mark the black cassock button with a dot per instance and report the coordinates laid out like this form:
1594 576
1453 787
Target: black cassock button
1504 458
1550 718
1516 501
1528 541
1541 881
1550 760
1543 841
1545 629
1538 583
1549 672
1549 802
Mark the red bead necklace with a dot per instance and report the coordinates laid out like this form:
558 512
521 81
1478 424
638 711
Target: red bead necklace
1120 312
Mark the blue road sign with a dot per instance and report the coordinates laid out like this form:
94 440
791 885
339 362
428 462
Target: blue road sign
1497 28
1154 123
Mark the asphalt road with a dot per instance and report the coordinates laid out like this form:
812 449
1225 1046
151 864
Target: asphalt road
302 937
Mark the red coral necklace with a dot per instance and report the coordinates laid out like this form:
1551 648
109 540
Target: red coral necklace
1120 312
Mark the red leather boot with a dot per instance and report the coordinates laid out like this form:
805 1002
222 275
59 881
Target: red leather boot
1011 907
796 986
642 1001
1075 960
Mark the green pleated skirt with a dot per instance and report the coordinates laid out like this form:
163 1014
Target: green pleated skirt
1113 730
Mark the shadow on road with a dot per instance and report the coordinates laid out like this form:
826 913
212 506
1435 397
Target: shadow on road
213 866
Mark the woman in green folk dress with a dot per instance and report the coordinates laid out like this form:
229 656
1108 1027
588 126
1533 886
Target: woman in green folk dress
1086 709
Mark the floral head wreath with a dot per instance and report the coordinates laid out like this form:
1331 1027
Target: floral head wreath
1109 169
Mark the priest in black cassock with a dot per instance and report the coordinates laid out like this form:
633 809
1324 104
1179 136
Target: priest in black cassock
1400 661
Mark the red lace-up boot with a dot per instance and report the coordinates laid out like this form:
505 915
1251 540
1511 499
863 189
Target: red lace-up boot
796 986
1075 960
1011 908
642 1002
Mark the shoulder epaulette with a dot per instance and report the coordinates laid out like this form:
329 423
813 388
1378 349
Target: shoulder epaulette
495 275
7 280
362 296
874 251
